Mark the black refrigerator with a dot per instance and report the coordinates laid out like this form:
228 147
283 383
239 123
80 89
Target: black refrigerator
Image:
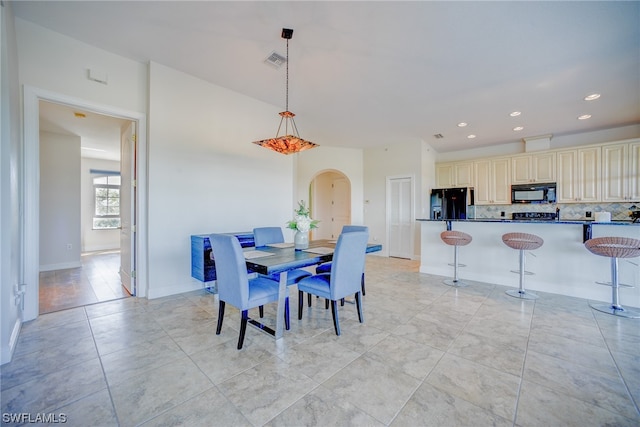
451 203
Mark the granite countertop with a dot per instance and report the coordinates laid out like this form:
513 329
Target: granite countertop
534 221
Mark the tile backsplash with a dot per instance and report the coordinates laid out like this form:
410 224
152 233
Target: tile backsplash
568 211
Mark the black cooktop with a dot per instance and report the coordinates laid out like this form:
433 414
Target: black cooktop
534 216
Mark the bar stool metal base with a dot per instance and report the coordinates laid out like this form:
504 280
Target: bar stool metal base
455 283
616 310
517 293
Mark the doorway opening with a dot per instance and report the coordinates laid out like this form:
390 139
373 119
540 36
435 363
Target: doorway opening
82 207
30 234
330 195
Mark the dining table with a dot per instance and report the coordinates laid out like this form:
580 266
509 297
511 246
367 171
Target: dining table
282 258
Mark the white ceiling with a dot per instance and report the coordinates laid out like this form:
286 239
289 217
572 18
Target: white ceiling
376 73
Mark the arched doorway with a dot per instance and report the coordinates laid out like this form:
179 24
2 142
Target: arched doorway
330 195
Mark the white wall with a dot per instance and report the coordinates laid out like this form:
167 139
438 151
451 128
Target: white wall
400 159
205 175
94 240
58 63
59 201
10 186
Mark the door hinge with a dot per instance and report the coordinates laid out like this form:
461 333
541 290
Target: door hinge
134 182
133 228
133 274
134 137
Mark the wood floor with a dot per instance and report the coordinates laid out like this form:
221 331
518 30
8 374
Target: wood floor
96 281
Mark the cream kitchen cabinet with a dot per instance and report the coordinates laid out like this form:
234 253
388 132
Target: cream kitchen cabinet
579 175
621 172
455 174
492 181
540 167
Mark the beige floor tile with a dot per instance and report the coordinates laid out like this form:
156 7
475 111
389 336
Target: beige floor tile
374 387
157 390
604 390
562 410
94 410
430 406
485 387
208 409
265 390
322 408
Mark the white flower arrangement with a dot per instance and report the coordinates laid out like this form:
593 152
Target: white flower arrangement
301 221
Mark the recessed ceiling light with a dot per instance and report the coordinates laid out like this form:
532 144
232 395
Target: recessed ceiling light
592 97
584 117
515 114
462 124
518 128
94 149
471 136
80 115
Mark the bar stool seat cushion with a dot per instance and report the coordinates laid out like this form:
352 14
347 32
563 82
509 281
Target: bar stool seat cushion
614 247
455 238
522 241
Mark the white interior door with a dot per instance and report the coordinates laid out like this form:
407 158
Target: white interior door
400 217
340 205
127 208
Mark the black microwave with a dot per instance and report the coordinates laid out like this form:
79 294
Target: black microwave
533 193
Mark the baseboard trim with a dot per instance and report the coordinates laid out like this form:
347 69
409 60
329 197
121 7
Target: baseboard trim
61 266
13 341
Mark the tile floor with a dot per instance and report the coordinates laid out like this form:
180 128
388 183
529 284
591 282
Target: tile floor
97 280
427 355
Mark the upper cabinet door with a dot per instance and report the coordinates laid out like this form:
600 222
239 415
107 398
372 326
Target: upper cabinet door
533 168
444 175
634 172
579 175
450 175
521 169
589 174
544 167
492 183
464 174
614 173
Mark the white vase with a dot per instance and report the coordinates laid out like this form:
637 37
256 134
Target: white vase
301 240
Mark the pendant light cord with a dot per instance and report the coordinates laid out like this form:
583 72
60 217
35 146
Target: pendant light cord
287 80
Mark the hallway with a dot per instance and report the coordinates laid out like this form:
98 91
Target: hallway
96 281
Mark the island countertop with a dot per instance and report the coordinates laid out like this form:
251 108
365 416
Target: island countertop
535 221
562 265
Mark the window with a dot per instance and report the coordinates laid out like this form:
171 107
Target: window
106 190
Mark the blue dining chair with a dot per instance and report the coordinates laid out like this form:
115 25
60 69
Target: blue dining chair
263 236
326 267
234 285
344 279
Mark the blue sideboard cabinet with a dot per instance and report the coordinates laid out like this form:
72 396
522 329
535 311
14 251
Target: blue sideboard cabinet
202 266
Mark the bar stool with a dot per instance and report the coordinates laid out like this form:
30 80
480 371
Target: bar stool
614 248
455 239
522 242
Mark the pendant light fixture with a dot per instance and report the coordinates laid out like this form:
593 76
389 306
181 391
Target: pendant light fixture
289 142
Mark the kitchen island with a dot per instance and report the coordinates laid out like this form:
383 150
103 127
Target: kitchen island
561 266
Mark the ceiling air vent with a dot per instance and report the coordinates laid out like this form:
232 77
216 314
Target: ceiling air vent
275 60
438 136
